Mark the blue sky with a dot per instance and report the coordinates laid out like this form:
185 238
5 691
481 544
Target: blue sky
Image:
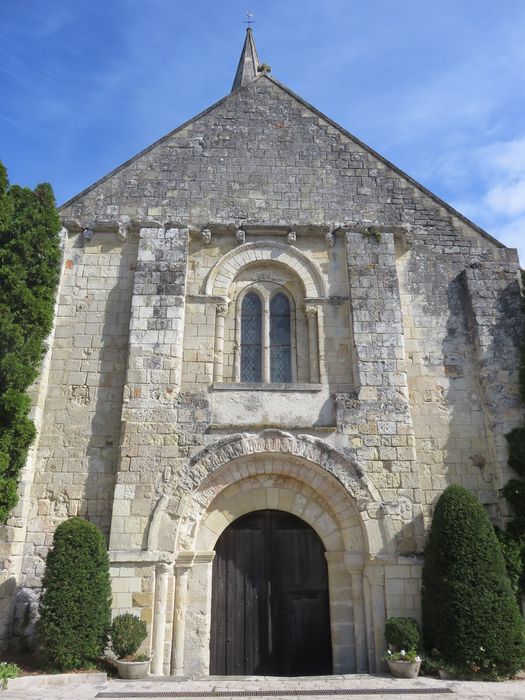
436 86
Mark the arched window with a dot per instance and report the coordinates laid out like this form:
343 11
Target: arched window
280 339
251 338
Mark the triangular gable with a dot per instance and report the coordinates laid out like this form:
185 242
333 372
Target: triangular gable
437 200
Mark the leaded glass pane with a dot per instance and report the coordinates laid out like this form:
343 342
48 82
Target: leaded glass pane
280 345
251 339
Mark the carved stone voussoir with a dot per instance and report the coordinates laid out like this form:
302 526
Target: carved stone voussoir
306 447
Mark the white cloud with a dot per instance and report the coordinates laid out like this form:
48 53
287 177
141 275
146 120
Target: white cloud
508 198
507 156
513 236
496 200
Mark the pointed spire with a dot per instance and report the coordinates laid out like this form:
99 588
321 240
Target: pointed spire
248 63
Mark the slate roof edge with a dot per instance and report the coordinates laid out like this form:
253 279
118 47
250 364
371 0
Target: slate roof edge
320 114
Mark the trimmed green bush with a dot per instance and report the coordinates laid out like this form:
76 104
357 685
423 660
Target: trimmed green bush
29 271
513 557
470 615
402 633
127 634
75 605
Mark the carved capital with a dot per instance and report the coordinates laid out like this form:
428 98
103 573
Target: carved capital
164 568
330 240
240 235
310 310
291 237
206 236
204 557
222 308
185 560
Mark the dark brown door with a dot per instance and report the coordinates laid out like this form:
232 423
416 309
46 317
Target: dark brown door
270 611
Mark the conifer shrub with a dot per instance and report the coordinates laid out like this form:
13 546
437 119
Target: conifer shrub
512 551
127 634
75 605
402 633
470 615
29 271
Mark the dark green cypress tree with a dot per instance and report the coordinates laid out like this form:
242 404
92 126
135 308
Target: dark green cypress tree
29 271
470 615
75 605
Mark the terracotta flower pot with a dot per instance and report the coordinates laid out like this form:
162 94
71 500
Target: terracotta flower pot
404 669
132 670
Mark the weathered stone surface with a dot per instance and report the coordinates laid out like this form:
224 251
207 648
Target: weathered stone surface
405 325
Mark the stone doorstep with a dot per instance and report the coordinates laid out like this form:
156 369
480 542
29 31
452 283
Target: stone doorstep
37 681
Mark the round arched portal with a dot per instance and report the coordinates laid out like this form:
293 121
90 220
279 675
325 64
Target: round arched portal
301 476
294 486
270 608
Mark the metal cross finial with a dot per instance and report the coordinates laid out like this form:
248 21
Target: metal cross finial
250 16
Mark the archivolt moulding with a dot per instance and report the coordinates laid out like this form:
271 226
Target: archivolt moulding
312 449
226 269
352 482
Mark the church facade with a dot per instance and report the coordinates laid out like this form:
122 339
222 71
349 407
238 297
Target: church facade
273 350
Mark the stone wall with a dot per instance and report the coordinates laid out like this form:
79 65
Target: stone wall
462 390
74 462
406 332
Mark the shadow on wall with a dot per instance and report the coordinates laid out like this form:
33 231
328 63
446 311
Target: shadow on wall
7 605
108 376
476 397
409 537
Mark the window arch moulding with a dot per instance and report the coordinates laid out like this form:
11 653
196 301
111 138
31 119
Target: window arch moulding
226 269
304 308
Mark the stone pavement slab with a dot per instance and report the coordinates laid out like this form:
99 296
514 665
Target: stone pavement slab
312 688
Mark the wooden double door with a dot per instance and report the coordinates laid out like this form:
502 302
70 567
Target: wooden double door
270 607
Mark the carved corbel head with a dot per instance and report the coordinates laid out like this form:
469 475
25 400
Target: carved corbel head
240 235
122 231
87 233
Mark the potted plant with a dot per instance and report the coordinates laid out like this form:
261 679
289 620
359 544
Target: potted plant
7 671
127 634
403 641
